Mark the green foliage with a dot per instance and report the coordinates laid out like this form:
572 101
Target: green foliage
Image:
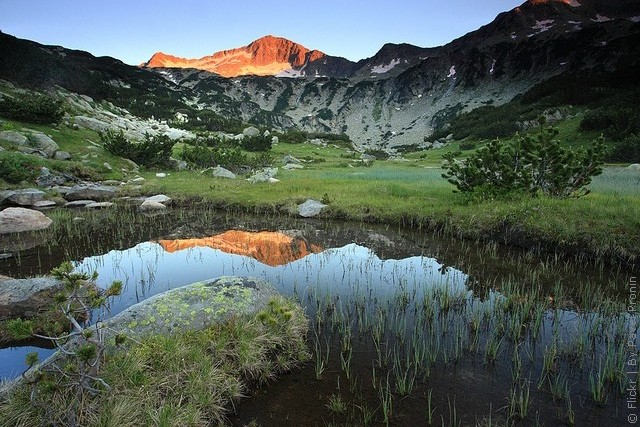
17 167
20 329
616 123
377 153
256 143
200 156
154 151
627 150
32 108
533 164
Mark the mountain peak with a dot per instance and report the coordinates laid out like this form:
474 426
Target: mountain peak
268 55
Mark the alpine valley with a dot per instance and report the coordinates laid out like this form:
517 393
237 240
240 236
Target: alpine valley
397 98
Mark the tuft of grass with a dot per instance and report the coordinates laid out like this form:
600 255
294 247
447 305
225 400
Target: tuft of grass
190 379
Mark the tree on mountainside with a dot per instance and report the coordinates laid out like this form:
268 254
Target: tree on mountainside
534 164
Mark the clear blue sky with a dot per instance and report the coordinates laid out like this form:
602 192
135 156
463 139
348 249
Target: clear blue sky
132 30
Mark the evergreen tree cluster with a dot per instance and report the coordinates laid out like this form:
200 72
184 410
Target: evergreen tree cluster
533 164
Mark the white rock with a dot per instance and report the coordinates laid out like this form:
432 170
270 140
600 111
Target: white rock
159 198
148 206
15 220
161 175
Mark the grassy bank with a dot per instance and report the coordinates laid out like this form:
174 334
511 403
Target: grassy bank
409 192
605 223
190 379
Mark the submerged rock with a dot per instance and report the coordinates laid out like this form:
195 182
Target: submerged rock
16 220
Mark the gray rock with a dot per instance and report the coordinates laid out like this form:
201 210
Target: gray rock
99 205
310 208
4 196
16 220
317 141
274 140
43 143
2 149
94 192
91 123
266 133
47 179
26 197
148 206
178 165
14 138
291 166
250 131
220 172
78 203
136 180
194 307
107 166
62 155
290 159
367 157
634 167
25 298
264 175
160 198
44 204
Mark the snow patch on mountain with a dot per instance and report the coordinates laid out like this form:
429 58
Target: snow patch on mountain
381 69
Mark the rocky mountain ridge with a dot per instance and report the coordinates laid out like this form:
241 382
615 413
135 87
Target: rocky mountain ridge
396 98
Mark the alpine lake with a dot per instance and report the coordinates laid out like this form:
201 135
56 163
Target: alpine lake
407 327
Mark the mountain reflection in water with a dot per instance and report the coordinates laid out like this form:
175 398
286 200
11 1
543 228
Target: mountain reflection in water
269 247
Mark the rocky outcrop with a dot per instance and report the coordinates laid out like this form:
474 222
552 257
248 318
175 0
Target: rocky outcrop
16 220
24 298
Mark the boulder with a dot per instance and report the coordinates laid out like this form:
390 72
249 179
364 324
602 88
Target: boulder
264 175
290 159
274 140
367 157
194 307
310 208
149 206
62 155
92 192
250 131
634 167
107 166
160 198
25 197
15 220
161 175
43 143
25 298
91 123
220 172
14 138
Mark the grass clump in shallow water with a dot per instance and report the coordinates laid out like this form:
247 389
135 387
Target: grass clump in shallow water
191 379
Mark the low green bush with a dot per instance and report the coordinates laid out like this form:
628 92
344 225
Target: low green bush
32 108
154 151
17 167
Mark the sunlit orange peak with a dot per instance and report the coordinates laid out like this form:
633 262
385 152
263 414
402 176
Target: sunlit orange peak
269 247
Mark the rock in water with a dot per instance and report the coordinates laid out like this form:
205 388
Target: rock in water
16 220
310 208
25 298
